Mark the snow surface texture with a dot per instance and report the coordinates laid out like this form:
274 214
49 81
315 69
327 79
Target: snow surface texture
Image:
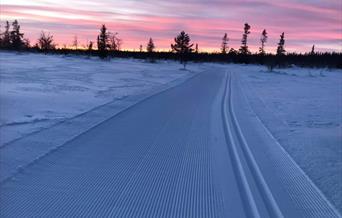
160 159
302 110
37 91
300 107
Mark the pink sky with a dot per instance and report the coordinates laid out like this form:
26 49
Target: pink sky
304 22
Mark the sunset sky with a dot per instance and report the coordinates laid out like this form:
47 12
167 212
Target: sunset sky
305 22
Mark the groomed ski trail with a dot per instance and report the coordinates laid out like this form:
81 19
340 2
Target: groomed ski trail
180 153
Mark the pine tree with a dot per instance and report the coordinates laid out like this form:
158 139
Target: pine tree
312 50
16 37
102 42
150 46
5 40
244 48
45 42
263 40
90 45
196 48
182 46
224 46
280 49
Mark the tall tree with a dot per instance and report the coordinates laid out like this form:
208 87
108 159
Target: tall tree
244 48
150 46
45 42
224 46
16 37
281 44
182 46
102 42
6 40
140 48
196 48
263 40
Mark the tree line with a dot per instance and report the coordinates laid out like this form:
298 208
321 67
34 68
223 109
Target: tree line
109 45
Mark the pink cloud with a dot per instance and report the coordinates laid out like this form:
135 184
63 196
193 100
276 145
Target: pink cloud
304 24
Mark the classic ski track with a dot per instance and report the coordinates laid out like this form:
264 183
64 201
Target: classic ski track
234 128
173 84
148 93
310 193
245 169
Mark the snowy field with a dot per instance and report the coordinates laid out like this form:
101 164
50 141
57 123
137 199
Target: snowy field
300 107
37 91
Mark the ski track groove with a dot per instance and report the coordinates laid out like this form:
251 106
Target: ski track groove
266 194
243 185
311 200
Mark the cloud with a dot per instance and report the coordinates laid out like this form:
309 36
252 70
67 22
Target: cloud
304 22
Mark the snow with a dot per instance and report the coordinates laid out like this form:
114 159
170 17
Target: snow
301 107
60 97
38 91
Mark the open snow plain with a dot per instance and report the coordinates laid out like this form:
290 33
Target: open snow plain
225 141
38 91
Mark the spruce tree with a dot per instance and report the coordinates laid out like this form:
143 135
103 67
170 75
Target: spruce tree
263 40
182 46
102 42
280 49
6 41
150 46
244 48
16 37
224 46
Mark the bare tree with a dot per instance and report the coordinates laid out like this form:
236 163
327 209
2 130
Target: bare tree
114 42
75 42
45 42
